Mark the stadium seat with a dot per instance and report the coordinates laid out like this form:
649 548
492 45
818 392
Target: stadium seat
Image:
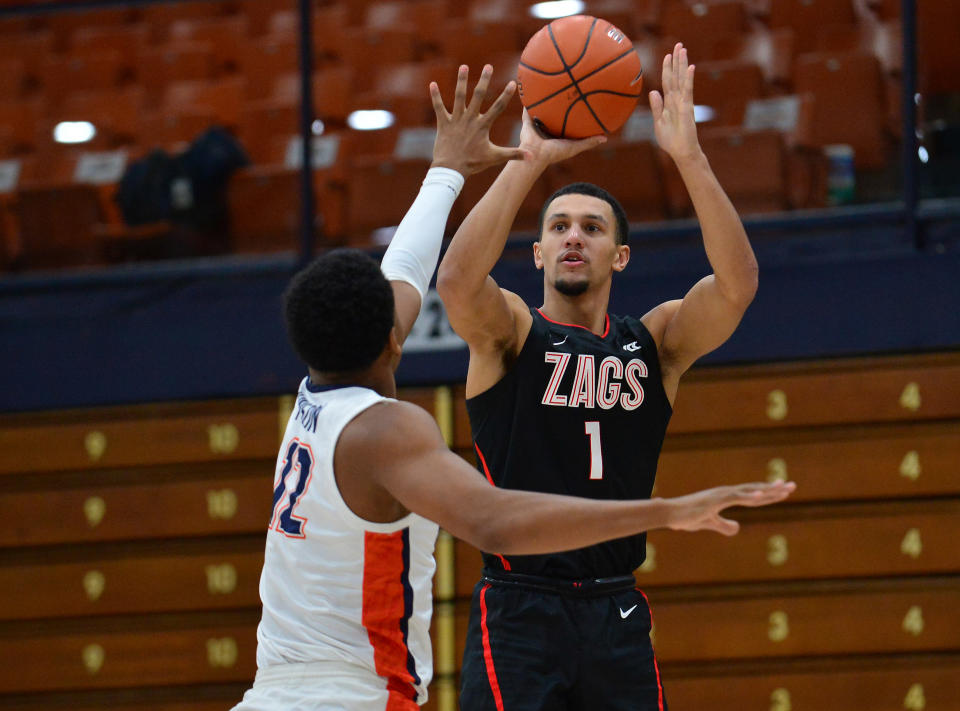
527 214
629 170
95 71
727 87
264 204
127 40
379 191
13 79
32 49
227 38
808 17
937 24
64 25
20 121
751 167
476 44
329 40
223 99
160 16
259 14
698 25
159 67
771 50
423 19
115 114
403 89
264 59
172 131
848 104
368 52
57 225
332 92
264 128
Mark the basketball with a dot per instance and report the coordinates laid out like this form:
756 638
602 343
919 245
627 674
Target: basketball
579 77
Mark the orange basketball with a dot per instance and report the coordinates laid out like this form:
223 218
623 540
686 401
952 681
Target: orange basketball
579 76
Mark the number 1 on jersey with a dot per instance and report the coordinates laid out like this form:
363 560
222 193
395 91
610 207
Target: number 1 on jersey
592 429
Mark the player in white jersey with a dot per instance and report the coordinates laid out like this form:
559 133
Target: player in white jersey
346 583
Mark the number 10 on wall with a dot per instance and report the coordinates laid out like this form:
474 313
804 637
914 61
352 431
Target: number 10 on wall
592 430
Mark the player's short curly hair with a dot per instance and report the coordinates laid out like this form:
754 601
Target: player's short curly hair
339 311
623 228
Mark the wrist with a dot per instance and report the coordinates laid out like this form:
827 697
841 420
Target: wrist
694 159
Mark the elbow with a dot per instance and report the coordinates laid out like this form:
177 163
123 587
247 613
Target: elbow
742 290
488 536
447 278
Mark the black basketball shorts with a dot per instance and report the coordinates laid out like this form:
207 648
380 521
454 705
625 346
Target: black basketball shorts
533 645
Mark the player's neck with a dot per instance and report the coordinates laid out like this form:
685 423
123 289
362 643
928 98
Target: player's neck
588 309
374 378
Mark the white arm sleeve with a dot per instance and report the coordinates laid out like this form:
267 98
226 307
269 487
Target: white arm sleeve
415 248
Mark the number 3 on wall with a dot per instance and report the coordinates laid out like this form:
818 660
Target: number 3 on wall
300 460
592 430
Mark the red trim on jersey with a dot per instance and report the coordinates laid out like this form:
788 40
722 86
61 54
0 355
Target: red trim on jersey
488 653
486 471
384 611
606 328
656 667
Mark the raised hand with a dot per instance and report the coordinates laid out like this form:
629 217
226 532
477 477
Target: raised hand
701 511
552 150
463 135
673 121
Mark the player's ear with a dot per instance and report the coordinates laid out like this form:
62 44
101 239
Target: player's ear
537 257
623 256
393 343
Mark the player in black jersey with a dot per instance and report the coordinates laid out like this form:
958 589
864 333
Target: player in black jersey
568 399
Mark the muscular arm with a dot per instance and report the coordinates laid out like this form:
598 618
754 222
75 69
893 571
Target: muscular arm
397 448
492 321
712 309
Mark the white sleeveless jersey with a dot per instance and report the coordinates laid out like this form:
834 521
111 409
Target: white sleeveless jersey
334 586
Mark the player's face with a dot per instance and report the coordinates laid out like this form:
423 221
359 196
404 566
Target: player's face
578 244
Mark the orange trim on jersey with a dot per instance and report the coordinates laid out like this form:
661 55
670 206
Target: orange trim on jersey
386 613
488 653
656 667
486 471
606 327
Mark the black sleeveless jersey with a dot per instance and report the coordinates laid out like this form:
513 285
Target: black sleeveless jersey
576 414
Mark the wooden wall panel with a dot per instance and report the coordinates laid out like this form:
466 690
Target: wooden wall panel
862 463
876 542
907 683
886 390
856 622
141 436
203 507
131 658
142 584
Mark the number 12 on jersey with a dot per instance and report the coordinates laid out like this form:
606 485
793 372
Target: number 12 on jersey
592 430
299 459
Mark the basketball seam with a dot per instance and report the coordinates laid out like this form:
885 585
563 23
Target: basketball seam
584 77
563 128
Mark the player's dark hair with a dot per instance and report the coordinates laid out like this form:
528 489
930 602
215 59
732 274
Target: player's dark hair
339 311
623 229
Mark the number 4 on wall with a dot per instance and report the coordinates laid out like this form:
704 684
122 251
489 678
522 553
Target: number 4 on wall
299 458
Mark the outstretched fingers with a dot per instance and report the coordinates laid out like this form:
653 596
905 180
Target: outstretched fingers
460 93
501 103
438 108
480 90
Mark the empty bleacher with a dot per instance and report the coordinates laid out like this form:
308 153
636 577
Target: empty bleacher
157 75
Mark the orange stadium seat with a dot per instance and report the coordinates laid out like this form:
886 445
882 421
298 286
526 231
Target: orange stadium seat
527 214
848 104
621 13
171 131
159 67
727 87
332 92
403 89
422 18
125 39
57 225
329 23
20 121
13 79
160 16
771 50
698 26
366 52
227 38
379 191
751 166
630 171
223 99
264 59
646 16
259 14
64 24
937 24
95 71
476 44
808 17
264 204
31 49
264 128
115 114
